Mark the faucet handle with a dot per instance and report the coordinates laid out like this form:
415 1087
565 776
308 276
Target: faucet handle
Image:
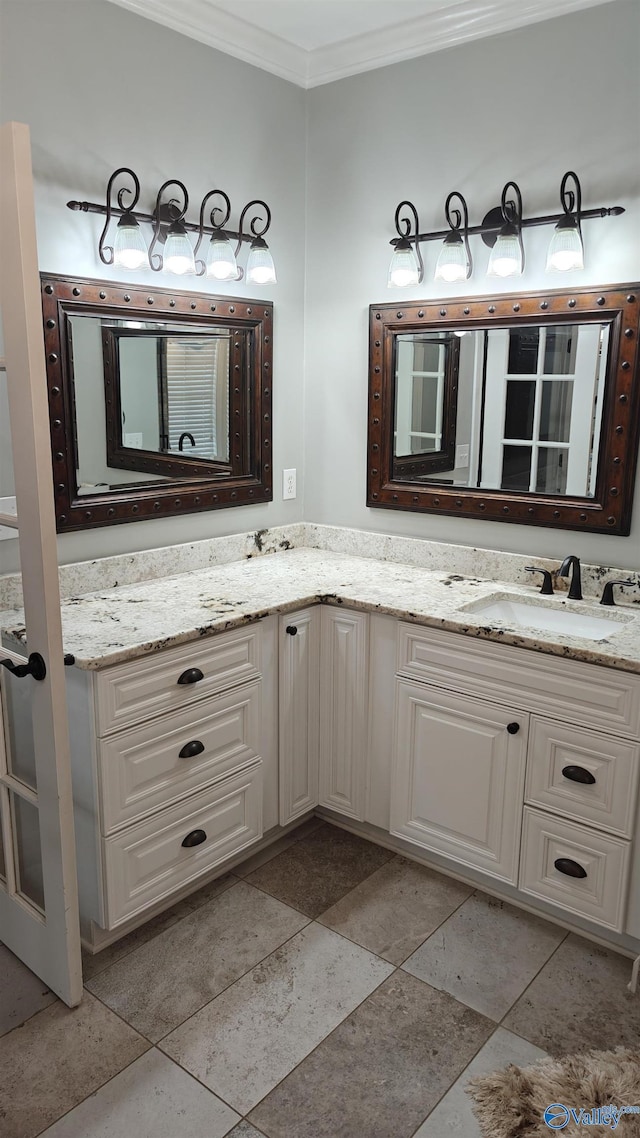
607 592
547 584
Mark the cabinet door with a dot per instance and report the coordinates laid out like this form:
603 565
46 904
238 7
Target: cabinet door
458 778
344 648
299 712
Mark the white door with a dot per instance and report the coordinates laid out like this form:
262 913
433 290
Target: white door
457 777
38 890
344 675
299 686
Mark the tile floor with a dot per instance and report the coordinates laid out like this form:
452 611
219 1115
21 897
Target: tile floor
327 988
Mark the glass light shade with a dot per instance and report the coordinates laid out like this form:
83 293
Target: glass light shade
178 254
452 264
260 267
565 248
129 249
506 255
221 261
404 268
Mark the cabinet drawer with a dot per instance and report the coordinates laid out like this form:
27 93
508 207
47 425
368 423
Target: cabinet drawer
146 863
167 681
149 767
609 767
593 696
599 894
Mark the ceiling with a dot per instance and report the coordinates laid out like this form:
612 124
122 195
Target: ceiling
310 42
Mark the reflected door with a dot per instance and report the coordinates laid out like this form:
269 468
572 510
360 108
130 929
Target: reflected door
38 890
542 385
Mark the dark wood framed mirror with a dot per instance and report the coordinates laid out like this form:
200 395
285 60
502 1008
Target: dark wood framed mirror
159 400
536 413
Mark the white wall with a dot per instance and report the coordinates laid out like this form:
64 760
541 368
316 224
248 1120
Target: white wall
526 106
100 88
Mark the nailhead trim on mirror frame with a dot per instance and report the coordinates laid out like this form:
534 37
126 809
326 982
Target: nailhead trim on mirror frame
609 511
62 296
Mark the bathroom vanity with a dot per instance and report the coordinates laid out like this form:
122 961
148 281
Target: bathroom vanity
377 694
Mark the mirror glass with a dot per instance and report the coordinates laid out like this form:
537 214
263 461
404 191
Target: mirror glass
159 402
143 389
529 405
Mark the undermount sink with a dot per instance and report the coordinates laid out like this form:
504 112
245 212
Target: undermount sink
546 616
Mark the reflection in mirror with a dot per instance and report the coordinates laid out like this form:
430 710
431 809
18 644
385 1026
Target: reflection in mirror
529 408
174 392
514 407
425 403
142 390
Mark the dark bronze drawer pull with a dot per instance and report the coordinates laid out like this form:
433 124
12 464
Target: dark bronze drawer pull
191 676
291 629
569 867
513 728
190 750
195 838
578 774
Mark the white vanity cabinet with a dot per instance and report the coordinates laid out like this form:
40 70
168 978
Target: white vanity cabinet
324 670
522 765
174 766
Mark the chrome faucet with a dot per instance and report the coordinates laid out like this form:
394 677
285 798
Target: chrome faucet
575 588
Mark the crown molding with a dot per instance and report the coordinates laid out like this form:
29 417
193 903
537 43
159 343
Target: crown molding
201 21
438 30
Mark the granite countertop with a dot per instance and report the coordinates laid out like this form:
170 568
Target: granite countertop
111 626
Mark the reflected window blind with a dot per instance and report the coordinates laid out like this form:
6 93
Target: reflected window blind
192 377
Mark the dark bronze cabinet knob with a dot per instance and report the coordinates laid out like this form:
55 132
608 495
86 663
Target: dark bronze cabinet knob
513 728
190 750
191 676
578 774
292 630
195 838
569 867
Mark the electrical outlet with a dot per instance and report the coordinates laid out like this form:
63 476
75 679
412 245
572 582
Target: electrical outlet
133 439
462 456
288 484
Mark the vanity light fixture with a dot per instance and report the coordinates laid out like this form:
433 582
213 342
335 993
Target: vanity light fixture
170 249
566 250
500 229
406 266
507 255
454 262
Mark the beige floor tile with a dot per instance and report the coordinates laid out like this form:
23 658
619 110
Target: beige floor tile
396 909
244 1042
152 1098
380 1072
164 982
22 994
453 1117
256 861
57 1059
317 871
93 964
578 1001
485 954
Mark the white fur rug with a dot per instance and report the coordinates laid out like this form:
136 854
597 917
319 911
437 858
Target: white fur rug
512 1103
